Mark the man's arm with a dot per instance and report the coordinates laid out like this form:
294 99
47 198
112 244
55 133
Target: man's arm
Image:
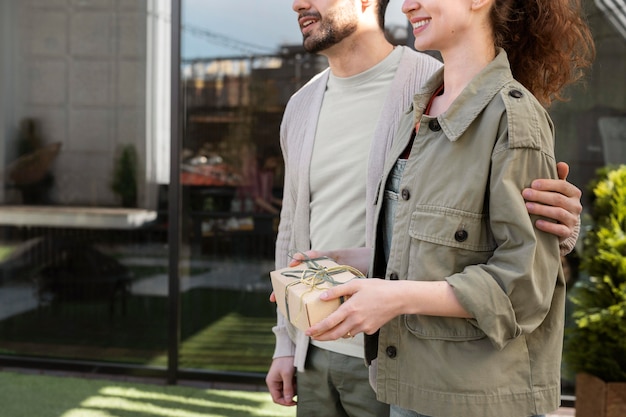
558 200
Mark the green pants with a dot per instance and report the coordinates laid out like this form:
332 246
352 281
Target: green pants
336 385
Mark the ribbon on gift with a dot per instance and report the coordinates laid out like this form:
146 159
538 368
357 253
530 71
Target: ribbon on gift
315 275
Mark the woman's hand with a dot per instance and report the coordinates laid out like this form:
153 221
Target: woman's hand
370 304
373 302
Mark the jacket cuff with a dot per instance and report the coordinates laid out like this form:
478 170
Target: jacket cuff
284 344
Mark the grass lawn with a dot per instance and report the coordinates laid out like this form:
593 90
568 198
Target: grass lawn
30 395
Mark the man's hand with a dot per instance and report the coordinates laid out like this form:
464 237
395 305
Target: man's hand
558 200
281 381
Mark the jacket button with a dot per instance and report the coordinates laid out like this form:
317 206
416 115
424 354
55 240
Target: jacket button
391 351
460 235
516 94
434 125
405 194
393 276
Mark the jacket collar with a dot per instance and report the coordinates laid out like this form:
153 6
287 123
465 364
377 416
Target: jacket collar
472 100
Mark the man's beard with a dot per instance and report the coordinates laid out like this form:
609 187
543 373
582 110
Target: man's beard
335 27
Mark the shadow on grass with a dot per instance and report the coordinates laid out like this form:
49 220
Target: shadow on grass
27 395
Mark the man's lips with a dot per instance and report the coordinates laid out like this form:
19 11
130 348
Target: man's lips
306 22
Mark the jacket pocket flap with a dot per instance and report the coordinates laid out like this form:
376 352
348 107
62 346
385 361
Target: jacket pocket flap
452 227
442 328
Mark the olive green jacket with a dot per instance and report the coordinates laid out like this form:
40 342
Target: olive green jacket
461 218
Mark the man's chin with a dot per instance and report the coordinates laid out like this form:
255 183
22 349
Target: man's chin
314 47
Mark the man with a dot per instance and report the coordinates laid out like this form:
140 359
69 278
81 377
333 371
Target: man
335 133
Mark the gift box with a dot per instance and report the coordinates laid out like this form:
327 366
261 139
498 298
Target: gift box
297 290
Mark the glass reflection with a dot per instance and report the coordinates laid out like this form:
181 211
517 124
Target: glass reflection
81 235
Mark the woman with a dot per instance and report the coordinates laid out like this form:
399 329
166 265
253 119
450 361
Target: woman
471 306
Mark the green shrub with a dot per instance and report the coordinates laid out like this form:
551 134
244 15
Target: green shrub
597 344
124 182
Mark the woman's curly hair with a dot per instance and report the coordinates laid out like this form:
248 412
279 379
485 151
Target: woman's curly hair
548 43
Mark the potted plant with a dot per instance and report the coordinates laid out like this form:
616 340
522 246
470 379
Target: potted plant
124 182
596 345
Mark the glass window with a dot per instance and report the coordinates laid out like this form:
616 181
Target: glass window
591 126
239 70
83 265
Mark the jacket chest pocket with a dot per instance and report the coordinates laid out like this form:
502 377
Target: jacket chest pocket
443 242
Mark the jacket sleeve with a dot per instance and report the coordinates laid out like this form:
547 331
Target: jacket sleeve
512 293
288 204
284 344
293 231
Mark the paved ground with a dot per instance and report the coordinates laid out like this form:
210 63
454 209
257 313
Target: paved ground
563 412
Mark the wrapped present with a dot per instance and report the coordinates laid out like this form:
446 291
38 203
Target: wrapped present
298 289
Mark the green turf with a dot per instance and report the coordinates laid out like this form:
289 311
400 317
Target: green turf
28 395
221 330
5 251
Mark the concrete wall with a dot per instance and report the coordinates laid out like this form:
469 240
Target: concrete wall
80 71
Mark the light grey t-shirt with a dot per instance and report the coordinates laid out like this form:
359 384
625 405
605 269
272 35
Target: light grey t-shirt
345 130
338 172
